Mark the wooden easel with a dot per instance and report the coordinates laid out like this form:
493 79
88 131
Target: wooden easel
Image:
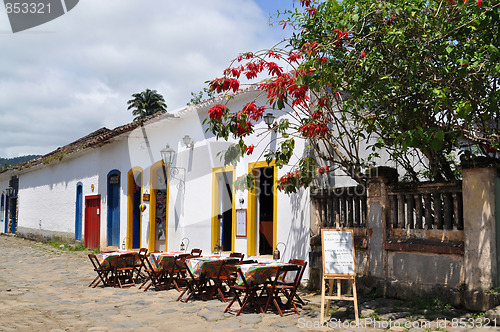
339 263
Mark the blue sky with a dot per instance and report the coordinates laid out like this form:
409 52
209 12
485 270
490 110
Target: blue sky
73 75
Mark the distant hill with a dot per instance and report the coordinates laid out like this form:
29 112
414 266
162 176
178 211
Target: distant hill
4 162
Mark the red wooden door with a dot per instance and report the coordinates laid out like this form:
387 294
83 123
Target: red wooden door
92 221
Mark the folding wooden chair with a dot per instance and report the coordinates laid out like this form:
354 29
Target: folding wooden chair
196 252
173 274
140 264
248 291
289 291
155 275
123 270
237 255
194 285
221 281
102 274
290 281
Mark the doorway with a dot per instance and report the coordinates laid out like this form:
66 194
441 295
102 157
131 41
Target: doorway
113 226
158 230
78 211
134 218
262 212
223 208
92 221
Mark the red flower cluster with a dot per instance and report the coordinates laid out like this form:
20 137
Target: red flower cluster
363 54
245 56
217 112
253 111
235 72
252 69
305 3
281 87
249 149
294 57
224 84
340 35
324 169
244 129
314 130
274 69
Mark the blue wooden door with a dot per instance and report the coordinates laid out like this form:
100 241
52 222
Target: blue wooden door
78 211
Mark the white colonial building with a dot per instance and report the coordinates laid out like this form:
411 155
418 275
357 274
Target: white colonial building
109 189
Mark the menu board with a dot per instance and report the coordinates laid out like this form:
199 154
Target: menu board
241 223
338 252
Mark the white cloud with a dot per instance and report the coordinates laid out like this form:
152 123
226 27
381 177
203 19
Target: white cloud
73 75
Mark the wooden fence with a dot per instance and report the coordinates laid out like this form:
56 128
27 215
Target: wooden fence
426 206
340 207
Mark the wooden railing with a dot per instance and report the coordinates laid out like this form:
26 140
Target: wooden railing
340 207
426 206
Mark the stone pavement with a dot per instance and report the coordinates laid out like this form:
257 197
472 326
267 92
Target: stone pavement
45 289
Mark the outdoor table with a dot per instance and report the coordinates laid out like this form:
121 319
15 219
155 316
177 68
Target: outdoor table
206 266
165 260
106 259
258 273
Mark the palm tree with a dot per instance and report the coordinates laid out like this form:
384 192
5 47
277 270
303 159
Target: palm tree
146 103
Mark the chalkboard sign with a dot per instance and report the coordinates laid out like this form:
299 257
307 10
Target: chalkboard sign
338 252
241 223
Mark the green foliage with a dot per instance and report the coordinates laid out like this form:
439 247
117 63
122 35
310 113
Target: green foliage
146 103
9 162
66 246
417 79
201 96
421 75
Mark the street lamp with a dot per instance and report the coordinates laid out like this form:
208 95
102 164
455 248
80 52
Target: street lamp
167 154
9 191
269 120
188 141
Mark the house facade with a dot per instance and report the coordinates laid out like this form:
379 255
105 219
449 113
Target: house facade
113 189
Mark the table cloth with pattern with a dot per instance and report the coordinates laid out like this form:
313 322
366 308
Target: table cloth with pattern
207 266
107 258
258 273
164 260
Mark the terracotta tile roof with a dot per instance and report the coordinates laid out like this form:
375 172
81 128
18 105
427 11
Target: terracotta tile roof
95 139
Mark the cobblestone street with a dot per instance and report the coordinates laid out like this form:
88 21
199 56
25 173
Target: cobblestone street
45 289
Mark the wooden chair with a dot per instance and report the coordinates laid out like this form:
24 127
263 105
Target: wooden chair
221 281
140 264
288 290
174 274
102 274
194 285
123 268
196 252
237 255
289 281
155 275
249 292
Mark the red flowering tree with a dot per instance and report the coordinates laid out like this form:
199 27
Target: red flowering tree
418 79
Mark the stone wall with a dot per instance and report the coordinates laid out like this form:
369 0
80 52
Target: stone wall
456 266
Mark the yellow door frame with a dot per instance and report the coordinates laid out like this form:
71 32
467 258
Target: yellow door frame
215 205
152 204
252 207
130 206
